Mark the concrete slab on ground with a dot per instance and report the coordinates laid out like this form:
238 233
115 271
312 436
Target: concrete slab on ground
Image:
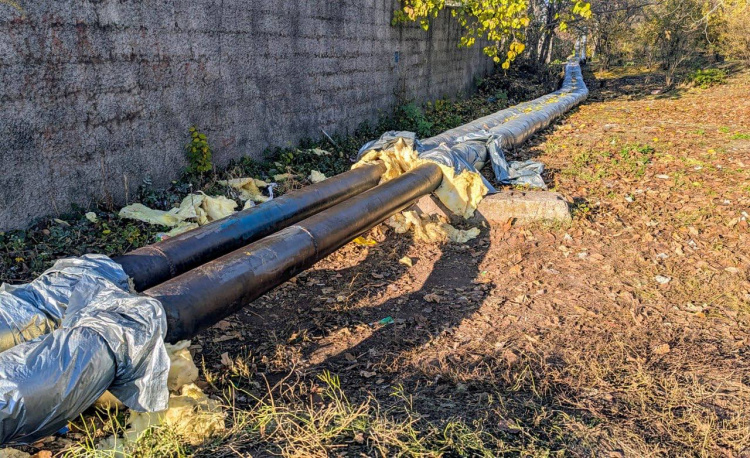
522 206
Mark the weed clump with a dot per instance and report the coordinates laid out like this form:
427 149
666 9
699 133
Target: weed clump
198 152
705 78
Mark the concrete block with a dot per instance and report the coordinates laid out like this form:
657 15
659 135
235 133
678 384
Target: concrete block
523 206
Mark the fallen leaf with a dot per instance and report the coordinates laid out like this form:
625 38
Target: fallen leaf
223 325
432 297
224 338
662 349
364 242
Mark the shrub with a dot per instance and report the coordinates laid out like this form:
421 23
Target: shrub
708 77
411 117
198 152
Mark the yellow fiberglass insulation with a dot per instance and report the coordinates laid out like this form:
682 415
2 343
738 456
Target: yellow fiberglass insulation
182 369
316 177
429 228
194 210
248 188
459 193
191 414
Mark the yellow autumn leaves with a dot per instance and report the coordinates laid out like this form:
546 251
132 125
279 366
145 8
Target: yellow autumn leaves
502 23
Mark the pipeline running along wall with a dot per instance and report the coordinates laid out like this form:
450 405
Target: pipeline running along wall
99 335
97 95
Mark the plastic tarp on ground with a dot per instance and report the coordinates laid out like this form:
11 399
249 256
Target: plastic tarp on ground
75 332
467 147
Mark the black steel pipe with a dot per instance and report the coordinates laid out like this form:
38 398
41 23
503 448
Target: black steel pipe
201 297
150 265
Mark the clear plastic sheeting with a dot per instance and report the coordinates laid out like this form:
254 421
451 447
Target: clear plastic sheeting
108 338
470 146
37 308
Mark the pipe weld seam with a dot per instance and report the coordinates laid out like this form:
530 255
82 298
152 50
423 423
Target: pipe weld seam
172 267
312 237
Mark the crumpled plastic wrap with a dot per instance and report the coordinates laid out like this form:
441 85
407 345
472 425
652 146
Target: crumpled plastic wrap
468 147
108 338
33 309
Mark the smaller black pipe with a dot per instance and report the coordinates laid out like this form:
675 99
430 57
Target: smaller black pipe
153 264
201 297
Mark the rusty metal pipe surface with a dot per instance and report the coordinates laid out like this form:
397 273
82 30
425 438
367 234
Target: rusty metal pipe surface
153 264
201 297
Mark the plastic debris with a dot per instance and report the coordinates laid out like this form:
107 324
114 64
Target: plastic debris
406 260
384 322
91 216
271 187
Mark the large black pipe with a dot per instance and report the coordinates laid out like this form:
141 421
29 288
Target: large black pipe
201 297
150 265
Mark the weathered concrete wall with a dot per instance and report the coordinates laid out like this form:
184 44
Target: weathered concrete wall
95 95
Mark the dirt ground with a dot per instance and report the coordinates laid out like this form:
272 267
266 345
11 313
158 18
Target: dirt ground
623 334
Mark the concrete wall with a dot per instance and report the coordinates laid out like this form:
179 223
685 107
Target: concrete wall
95 95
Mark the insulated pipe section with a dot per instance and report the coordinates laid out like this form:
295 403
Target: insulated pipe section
150 265
201 297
